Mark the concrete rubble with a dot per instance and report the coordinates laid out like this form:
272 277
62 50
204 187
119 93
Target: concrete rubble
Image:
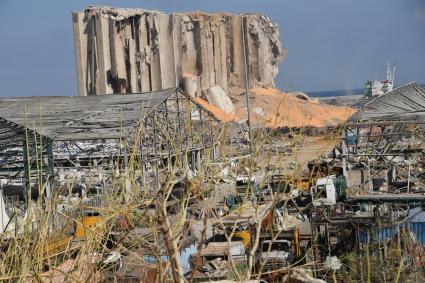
136 50
152 188
312 199
217 97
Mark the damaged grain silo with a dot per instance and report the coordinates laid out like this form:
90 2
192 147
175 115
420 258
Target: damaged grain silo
135 50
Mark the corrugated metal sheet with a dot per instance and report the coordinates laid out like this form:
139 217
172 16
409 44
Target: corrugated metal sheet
417 228
403 103
222 248
82 117
416 225
417 215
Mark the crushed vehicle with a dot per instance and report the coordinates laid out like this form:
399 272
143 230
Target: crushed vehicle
274 255
217 260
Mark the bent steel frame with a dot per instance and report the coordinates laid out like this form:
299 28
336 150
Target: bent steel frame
161 127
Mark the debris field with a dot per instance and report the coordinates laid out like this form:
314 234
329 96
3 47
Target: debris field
180 161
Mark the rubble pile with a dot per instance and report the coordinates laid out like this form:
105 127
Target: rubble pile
394 172
215 268
174 196
73 149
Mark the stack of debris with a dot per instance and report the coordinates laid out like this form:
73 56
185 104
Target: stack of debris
216 268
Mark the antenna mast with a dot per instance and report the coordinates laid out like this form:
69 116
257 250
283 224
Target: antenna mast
388 71
393 76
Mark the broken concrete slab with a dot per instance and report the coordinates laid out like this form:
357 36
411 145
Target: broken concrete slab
217 97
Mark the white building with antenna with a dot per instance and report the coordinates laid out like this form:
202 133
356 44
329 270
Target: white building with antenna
378 88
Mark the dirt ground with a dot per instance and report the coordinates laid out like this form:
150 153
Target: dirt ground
313 148
308 148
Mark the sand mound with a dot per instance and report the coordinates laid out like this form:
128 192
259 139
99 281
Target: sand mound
217 112
273 108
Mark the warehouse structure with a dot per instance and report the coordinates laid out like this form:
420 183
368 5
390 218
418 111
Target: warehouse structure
144 130
389 126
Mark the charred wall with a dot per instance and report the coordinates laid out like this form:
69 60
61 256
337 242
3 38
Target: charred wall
135 50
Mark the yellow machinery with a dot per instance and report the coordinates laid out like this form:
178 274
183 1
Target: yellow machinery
245 237
57 245
296 243
84 227
303 184
86 224
304 181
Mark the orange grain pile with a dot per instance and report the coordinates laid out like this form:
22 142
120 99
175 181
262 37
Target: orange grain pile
273 108
217 112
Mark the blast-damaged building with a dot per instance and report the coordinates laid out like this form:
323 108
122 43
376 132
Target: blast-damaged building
122 50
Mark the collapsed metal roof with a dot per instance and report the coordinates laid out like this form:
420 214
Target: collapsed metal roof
403 103
76 117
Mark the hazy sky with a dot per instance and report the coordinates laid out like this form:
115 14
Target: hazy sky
331 44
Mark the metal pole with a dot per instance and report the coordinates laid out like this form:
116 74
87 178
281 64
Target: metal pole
155 138
360 253
247 87
328 241
370 175
126 171
357 140
408 174
313 247
344 153
51 169
27 173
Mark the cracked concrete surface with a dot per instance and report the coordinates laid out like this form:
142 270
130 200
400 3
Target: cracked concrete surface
122 50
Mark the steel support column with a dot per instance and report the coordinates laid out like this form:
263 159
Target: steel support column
27 174
50 169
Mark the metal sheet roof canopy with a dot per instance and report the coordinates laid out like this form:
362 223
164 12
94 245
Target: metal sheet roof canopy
405 102
33 128
79 117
